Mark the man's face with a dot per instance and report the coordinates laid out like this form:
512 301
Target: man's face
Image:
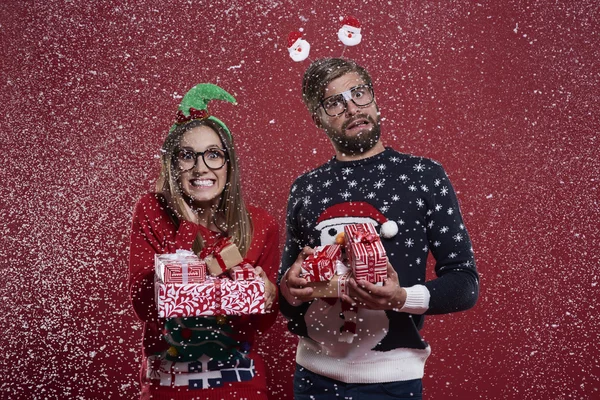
357 129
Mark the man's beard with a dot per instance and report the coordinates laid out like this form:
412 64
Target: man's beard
357 144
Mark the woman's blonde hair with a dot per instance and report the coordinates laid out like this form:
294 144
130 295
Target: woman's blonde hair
236 222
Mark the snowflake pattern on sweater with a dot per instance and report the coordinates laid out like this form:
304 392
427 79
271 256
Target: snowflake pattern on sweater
417 195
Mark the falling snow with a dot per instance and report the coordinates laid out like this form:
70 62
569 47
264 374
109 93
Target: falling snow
504 95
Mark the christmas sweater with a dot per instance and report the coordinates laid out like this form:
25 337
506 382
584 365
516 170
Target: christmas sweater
183 355
417 195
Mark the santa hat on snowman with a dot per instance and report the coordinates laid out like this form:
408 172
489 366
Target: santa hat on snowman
331 222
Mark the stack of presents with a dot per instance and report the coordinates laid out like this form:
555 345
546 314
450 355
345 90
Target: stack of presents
222 283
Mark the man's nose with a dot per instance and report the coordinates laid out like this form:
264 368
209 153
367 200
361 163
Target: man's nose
351 108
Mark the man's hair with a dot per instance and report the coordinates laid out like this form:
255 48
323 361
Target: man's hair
321 72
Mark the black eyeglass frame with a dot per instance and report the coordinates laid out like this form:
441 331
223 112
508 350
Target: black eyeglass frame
198 154
349 92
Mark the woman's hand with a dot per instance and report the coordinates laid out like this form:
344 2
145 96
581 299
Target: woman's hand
270 288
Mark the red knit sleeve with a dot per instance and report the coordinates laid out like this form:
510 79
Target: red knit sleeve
265 245
152 232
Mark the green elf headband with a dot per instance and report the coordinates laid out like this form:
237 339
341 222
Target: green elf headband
194 105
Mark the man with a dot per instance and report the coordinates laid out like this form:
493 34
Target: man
411 201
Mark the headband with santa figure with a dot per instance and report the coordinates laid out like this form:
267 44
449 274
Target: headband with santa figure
349 34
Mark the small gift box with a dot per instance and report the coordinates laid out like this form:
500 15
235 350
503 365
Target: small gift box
214 296
335 287
180 267
366 255
320 266
221 256
242 272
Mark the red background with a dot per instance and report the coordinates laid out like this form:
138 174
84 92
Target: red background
504 94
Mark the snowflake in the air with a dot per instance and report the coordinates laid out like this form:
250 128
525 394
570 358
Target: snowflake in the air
412 188
395 197
401 222
437 182
420 203
403 177
424 188
327 183
452 255
379 184
325 200
444 229
371 195
444 191
458 237
438 207
381 167
384 209
418 261
352 184
437 244
346 195
409 242
346 171
395 159
450 211
419 167
309 188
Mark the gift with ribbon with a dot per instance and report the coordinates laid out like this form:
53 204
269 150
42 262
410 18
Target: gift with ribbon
336 286
221 256
242 272
366 255
320 266
214 296
180 267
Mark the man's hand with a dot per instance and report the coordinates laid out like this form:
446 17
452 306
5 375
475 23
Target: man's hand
390 296
293 288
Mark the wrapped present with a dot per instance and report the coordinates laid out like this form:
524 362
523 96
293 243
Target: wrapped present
335 287
221 256
214 296
242 272
366 255
320 266
180 267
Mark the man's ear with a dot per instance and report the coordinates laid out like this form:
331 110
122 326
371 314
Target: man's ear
317 120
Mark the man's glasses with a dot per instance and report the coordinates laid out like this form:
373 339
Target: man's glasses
361 96
186 159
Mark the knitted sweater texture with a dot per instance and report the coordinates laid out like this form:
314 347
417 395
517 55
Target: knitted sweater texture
154 232
416 193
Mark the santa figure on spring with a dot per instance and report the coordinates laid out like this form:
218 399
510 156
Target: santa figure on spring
349 33
298 47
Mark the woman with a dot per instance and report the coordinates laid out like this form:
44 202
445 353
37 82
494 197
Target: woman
198 202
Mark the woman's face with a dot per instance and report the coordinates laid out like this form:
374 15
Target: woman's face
200 183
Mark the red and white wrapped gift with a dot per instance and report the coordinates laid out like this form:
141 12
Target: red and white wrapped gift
366 255
183 266
242 272
214 296
320 266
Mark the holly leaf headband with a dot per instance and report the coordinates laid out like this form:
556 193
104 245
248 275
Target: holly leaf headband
194 105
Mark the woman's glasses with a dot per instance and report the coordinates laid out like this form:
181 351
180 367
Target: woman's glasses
187 159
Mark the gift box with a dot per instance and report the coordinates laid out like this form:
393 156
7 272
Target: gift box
320 266
335 287
242 272
214 296
366 255
221 256
180 267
